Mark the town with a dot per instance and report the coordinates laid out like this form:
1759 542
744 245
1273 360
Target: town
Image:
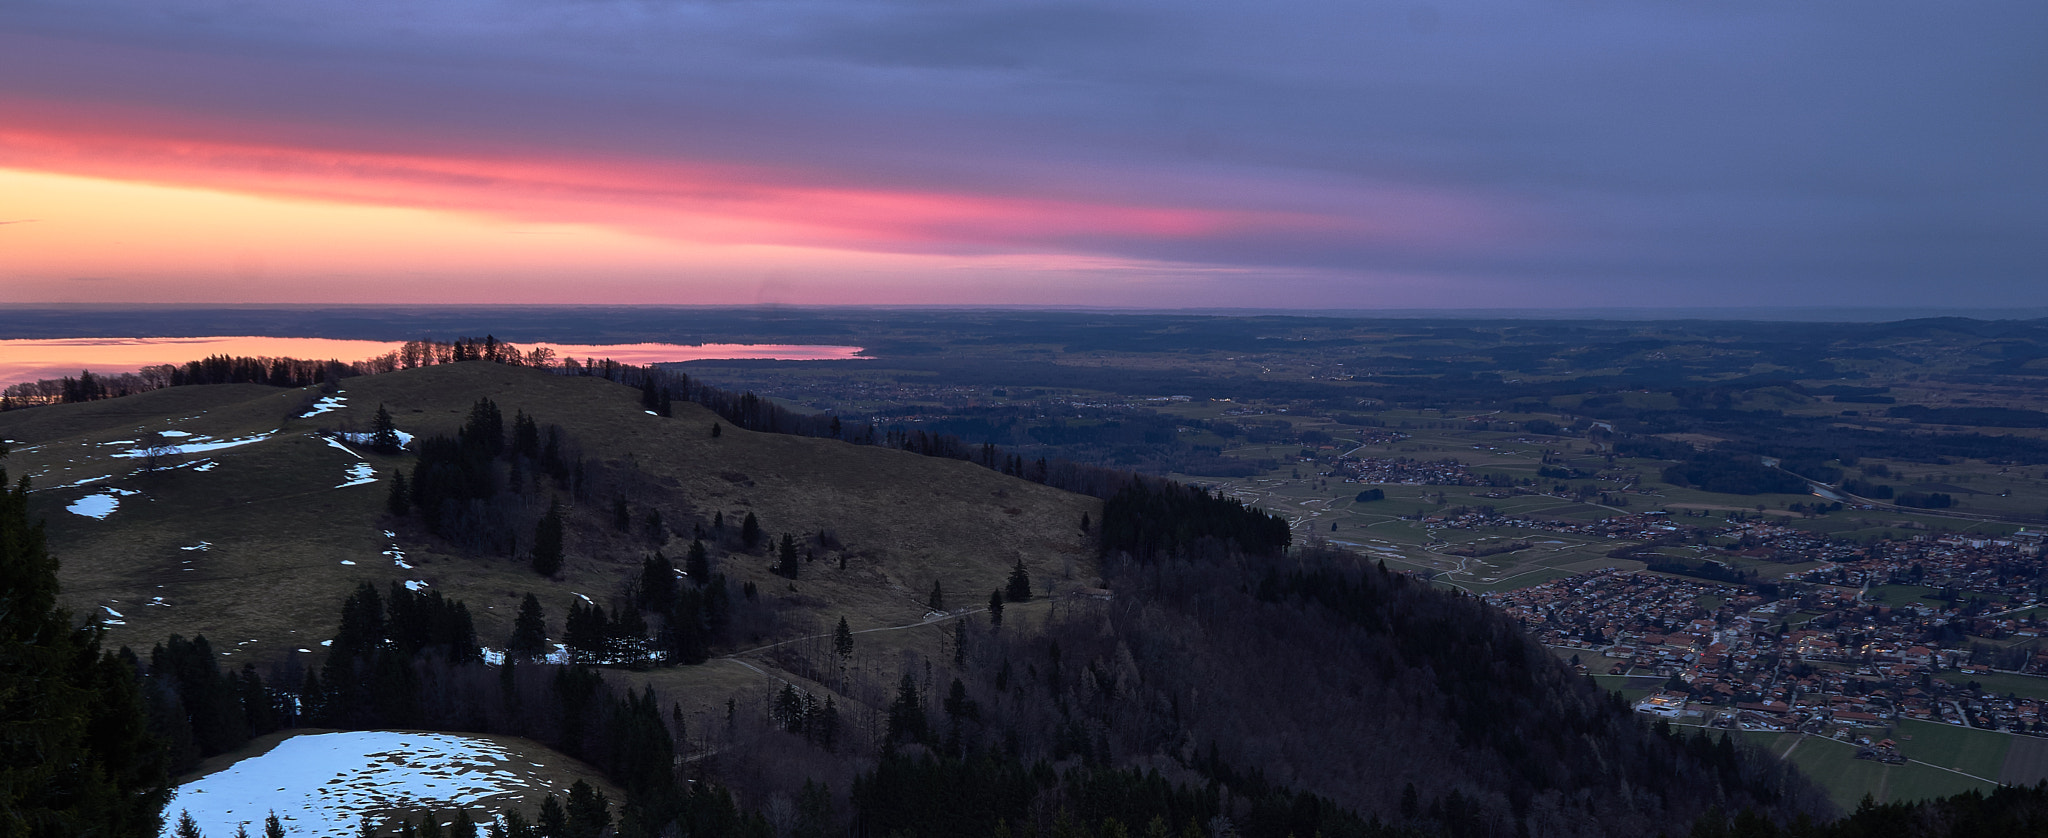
1820 650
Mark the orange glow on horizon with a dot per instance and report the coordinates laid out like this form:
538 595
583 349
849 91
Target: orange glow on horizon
30 360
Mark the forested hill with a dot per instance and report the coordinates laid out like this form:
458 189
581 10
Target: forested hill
1224 673
1421 708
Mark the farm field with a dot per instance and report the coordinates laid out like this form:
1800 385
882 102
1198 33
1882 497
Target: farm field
1847 779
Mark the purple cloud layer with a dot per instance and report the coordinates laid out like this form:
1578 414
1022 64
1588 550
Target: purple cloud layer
1565 153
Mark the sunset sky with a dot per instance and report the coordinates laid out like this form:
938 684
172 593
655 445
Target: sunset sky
1556 153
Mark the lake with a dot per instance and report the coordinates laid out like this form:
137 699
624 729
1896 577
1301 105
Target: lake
29 360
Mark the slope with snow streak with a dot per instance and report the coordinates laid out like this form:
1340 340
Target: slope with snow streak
320 784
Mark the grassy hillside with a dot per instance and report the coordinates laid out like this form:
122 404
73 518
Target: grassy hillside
285 541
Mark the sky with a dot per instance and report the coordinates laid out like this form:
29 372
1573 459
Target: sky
1289 154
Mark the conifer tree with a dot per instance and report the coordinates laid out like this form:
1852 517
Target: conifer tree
399 502
1019 587
842 640
698 564
274 828
485 429
907 722
937 601
525 435
657 583
683 634
995 608
383 432
588 813
547 541
529 631
750 531
785 564
76 754
553 822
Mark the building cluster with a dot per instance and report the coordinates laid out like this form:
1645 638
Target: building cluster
1825 651
1640 526
1403 471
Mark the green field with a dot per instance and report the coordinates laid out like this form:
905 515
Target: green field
1905 594
1847 779
1978 752
2001 683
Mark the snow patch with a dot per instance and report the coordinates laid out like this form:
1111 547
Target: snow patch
327 403
359 474
75 484
111 611
95 506
415 586
175 434
404 439
201 546
195 447
319 783
347 562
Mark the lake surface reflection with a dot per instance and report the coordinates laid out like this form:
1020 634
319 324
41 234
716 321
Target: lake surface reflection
29 360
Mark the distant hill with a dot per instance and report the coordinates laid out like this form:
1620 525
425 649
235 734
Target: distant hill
277 531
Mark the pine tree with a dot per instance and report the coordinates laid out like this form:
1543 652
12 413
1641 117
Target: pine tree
547 542
587 631
383 433
525 435
842 640
399 502
995 608
76 753
750 531
907 721
1019 587
529 631
622 517
698 564
485 429
274 828
786 564
553 822
589 813
937 601
657 583
187 827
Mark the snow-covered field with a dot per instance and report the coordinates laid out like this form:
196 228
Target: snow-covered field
321 784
